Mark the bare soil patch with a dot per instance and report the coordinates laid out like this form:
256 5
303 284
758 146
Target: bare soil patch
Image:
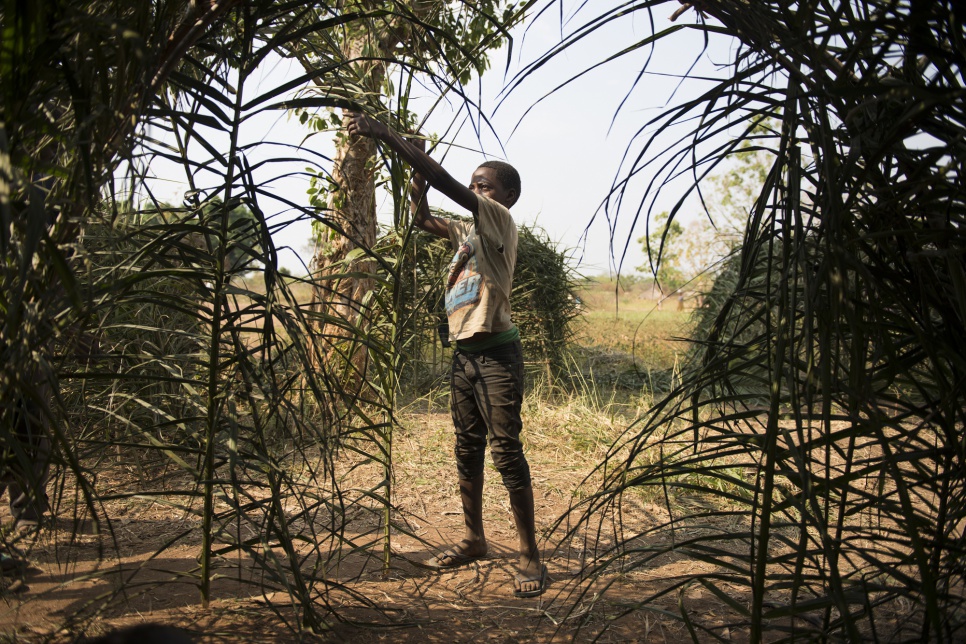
147 565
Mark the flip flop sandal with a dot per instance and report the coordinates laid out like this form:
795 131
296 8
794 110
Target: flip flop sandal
521 579
451 558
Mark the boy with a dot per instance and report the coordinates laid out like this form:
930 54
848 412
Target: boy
486 385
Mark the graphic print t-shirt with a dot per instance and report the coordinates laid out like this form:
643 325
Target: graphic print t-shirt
481 272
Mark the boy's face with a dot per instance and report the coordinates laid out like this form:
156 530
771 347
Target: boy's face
486 183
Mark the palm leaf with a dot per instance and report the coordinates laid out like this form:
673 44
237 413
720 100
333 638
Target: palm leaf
822 415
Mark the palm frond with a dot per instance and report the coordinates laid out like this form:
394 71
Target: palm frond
822 420
207 374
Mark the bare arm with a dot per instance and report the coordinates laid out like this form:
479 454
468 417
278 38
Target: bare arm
419 205
422 218
422 163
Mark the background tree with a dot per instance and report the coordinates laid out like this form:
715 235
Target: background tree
245 243
694 253
668 261
415 37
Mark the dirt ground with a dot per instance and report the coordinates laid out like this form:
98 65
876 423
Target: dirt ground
61 597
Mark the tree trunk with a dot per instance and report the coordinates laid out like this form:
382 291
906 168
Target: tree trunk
352 209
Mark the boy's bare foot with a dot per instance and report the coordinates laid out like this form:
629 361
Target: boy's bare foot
461 554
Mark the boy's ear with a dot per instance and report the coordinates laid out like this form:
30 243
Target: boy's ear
512 196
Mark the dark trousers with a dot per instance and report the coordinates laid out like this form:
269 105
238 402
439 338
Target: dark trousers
486 394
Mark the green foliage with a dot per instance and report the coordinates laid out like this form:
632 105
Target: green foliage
544 299
666 259
75 78
445 39
821 425
215 381
471 32
150 326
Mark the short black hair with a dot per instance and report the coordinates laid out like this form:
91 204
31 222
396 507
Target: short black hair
506 173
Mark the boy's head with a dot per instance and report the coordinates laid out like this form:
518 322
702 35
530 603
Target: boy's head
498 181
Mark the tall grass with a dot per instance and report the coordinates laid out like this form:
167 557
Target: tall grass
821 419
209 385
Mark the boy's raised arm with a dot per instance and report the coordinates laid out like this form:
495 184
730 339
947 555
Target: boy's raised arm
422 218
435 175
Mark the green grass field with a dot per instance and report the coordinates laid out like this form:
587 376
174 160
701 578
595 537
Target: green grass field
626 345
625 341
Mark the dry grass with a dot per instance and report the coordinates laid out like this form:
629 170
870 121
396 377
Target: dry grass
564 441
567 433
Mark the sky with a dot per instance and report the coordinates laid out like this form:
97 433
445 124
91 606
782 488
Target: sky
568 146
